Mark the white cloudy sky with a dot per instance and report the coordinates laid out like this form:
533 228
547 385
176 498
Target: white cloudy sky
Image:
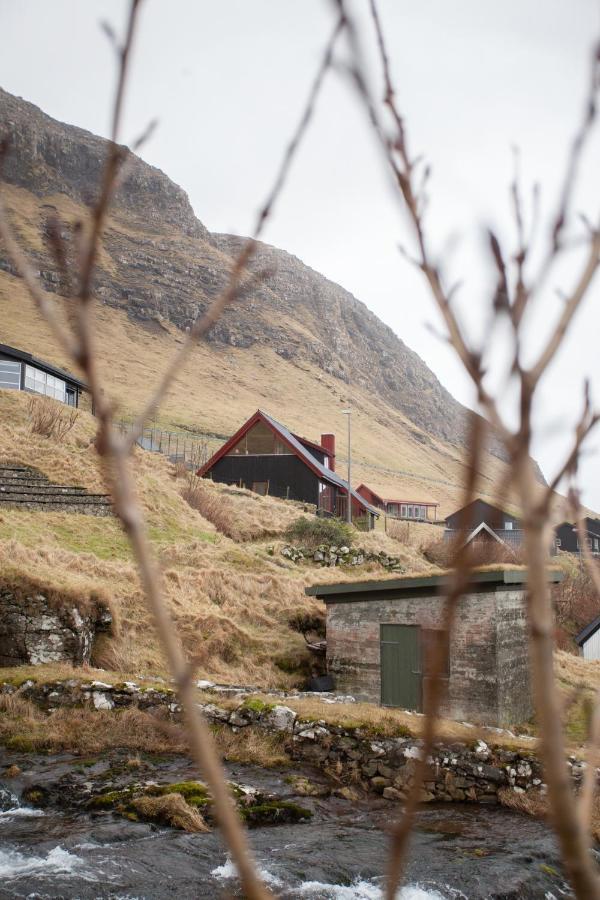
226 80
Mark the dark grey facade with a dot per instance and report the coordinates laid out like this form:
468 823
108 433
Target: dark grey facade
487 679
480 521
22 371
567 538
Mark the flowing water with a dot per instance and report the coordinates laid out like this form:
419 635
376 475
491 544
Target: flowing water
457 851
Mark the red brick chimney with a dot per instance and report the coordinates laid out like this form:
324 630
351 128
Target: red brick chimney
328 442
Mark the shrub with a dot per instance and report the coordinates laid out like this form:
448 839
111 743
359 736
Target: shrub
576 604
306 622
315 531
50 418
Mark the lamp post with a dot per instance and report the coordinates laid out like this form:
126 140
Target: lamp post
348 412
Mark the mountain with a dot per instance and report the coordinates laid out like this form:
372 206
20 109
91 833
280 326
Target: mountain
298 344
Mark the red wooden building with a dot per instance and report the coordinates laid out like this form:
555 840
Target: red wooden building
418 510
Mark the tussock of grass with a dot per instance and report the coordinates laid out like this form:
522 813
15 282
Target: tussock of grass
172 810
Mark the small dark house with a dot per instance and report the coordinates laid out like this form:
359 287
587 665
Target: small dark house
480 521
381 635
567 538
419 510
20 371
264 456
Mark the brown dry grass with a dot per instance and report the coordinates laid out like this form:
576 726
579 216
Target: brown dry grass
238 513
201 396
383 722
170 810
25 728
252 746
536 804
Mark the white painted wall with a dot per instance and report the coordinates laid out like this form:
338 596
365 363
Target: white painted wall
591 648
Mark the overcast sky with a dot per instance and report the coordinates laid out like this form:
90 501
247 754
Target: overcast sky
226 80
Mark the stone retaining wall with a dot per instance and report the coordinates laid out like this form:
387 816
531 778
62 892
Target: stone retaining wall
456 771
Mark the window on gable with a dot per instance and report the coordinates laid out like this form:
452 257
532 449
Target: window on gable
259 441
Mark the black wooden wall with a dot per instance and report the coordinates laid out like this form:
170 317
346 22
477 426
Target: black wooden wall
281 471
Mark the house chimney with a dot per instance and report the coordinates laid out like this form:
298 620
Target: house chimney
328 442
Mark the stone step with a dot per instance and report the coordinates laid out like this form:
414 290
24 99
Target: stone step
22 476
73 499
22 487
89 509
45 488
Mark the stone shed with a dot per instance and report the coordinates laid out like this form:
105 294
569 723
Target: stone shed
381 635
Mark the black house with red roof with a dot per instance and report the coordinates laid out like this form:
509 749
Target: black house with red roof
265 457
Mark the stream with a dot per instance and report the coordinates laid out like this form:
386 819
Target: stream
457 850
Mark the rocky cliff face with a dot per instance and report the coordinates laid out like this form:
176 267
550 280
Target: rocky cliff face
160 263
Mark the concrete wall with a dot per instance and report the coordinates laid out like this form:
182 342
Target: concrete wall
489 670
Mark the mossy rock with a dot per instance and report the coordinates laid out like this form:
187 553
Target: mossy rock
112 799
35 795
257 705
276 812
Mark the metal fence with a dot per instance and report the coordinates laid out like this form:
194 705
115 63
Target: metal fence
180 447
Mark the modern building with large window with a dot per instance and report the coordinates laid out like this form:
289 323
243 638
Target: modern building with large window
21 371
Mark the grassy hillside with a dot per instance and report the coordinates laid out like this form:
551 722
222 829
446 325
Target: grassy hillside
232 599
220 387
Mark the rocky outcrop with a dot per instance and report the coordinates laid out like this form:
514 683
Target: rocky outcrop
46 157
159 263
34 629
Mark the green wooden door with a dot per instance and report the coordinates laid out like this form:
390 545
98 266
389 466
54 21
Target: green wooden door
401 670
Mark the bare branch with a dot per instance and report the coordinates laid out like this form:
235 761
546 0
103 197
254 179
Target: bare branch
458 583
571 306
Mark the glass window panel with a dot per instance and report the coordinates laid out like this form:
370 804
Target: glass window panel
10 374
29 383
50 380
29 371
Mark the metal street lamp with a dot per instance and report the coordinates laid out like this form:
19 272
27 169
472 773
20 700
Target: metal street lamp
348 412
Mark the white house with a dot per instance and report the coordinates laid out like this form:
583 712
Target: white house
588 640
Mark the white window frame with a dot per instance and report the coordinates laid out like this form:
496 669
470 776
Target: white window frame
40 382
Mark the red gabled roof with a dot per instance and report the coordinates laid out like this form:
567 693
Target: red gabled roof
389 500
259 416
